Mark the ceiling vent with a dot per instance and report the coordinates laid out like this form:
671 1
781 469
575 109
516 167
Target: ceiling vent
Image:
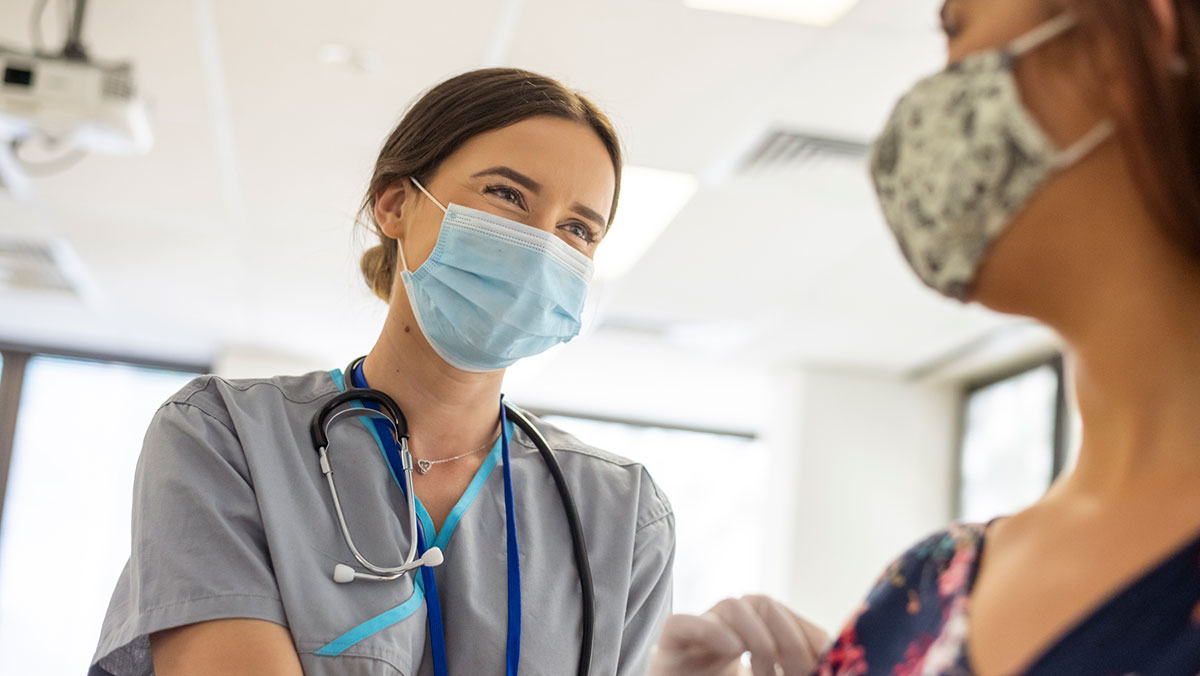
33 266
780 150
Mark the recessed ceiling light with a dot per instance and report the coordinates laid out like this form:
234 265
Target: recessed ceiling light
357 59
811 12
335 53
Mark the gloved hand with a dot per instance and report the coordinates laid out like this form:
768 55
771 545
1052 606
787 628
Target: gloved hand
712 644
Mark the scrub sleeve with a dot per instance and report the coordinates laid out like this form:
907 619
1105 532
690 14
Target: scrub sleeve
199 551
650 592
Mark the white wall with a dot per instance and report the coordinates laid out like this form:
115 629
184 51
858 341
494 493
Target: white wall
862 464
867 465
615 374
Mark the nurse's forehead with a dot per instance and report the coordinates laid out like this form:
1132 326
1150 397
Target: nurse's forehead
551 148
550 130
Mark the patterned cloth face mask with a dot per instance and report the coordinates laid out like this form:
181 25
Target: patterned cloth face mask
494 291
961 156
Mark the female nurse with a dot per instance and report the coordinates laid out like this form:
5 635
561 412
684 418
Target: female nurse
489 200
1052 171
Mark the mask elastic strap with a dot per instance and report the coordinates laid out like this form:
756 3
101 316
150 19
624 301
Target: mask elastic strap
1042 34
1084 146
431 197
403 263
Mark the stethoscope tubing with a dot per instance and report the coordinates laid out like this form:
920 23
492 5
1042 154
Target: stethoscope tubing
579 543
327 469
321 424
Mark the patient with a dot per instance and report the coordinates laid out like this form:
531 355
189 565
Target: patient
1052 171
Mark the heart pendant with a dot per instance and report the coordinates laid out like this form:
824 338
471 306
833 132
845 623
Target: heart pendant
423 466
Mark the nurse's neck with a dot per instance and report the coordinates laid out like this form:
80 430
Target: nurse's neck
449 411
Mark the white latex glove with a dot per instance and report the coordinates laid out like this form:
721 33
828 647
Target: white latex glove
712 644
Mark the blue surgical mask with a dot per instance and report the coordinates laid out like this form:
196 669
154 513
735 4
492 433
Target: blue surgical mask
494 291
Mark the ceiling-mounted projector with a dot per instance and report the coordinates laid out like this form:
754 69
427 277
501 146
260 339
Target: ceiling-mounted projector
72 103
68 101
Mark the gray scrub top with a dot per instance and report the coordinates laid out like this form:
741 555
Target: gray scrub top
232 518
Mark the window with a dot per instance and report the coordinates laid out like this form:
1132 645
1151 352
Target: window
64 528
716 518
1012 445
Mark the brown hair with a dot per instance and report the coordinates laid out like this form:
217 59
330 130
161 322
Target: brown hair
1167 105
451 114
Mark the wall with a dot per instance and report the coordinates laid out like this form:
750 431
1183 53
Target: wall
870 472
862 464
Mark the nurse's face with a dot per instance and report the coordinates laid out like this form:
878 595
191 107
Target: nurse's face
1059 84
548 173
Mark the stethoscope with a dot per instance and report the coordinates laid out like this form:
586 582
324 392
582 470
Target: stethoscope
393 428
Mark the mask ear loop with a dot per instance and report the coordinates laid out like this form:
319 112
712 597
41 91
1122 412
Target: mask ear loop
400 245
1038 37
431 197
1042 34
1086 145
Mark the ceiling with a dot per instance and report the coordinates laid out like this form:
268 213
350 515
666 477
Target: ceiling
236 231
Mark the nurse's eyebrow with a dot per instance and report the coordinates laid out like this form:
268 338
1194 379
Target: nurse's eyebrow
592 215
512 175
535 187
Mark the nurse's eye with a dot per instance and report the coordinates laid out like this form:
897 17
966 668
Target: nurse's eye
581 231
507 193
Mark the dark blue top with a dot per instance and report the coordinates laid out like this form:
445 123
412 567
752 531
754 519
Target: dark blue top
914 622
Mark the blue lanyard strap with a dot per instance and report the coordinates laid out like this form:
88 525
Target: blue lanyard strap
391 451
437 634
514 556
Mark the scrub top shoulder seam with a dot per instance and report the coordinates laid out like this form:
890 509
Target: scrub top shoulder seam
239 386
581 449
245 385
204 385
208 414
655 520
658 493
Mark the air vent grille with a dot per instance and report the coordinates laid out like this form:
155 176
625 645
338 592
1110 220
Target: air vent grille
31 266
783 150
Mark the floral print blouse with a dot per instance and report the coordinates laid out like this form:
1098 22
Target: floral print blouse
914 622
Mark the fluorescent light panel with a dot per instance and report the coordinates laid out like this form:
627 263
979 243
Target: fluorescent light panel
811 12
650 201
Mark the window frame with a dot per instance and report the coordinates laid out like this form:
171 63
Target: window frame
542 412
16 358
1062 420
